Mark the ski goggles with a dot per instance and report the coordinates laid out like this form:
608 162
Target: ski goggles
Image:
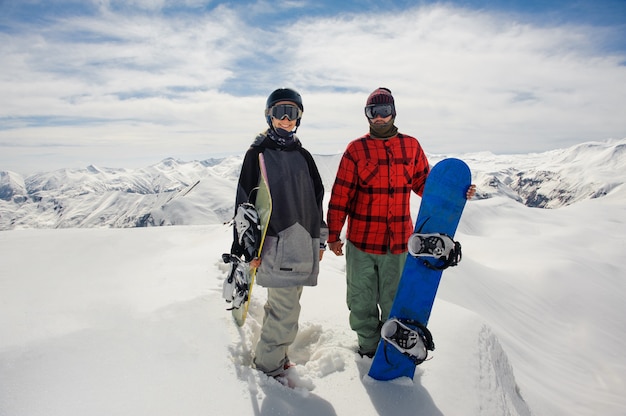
382 110
281 111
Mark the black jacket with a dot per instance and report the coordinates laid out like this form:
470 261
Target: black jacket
296 230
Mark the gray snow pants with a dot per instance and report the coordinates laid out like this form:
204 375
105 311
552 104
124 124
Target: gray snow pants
279 330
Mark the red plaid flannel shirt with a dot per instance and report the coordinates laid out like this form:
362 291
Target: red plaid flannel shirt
372 190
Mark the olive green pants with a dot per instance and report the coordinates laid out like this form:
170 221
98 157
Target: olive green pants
372 281
279 330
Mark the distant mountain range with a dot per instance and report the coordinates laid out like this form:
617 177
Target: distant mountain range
175 192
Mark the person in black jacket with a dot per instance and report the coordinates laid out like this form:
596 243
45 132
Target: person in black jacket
296 235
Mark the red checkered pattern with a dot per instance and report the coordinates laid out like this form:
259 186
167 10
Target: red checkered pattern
372 190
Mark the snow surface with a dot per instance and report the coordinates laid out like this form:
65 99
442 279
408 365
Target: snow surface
131 321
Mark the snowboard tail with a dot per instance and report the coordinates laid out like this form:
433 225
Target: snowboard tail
440 210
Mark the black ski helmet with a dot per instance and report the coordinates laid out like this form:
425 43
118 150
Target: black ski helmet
282 94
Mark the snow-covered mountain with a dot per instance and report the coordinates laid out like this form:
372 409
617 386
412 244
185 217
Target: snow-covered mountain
131 321
175 192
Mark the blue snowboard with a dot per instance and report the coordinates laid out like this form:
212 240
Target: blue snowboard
442 203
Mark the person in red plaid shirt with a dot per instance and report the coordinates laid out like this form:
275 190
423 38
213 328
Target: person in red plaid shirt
372 191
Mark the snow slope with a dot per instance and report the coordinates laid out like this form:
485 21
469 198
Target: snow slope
131 322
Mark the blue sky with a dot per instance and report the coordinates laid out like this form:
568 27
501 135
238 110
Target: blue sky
128 83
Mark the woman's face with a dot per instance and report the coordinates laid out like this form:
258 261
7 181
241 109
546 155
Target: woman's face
284 123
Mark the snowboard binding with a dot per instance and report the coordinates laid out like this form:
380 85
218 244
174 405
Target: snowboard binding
442 247
247 230
409 337
237 285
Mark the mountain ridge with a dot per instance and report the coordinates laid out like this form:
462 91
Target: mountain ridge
175 192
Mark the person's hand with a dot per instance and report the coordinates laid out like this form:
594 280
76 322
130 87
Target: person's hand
255 262
471 191
322 253
336 247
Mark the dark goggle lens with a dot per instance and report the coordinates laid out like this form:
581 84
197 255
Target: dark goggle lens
285 110
383 110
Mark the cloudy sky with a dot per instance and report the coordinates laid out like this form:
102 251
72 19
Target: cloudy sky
127 83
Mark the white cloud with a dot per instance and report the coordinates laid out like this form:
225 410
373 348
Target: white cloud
459 76
193 85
